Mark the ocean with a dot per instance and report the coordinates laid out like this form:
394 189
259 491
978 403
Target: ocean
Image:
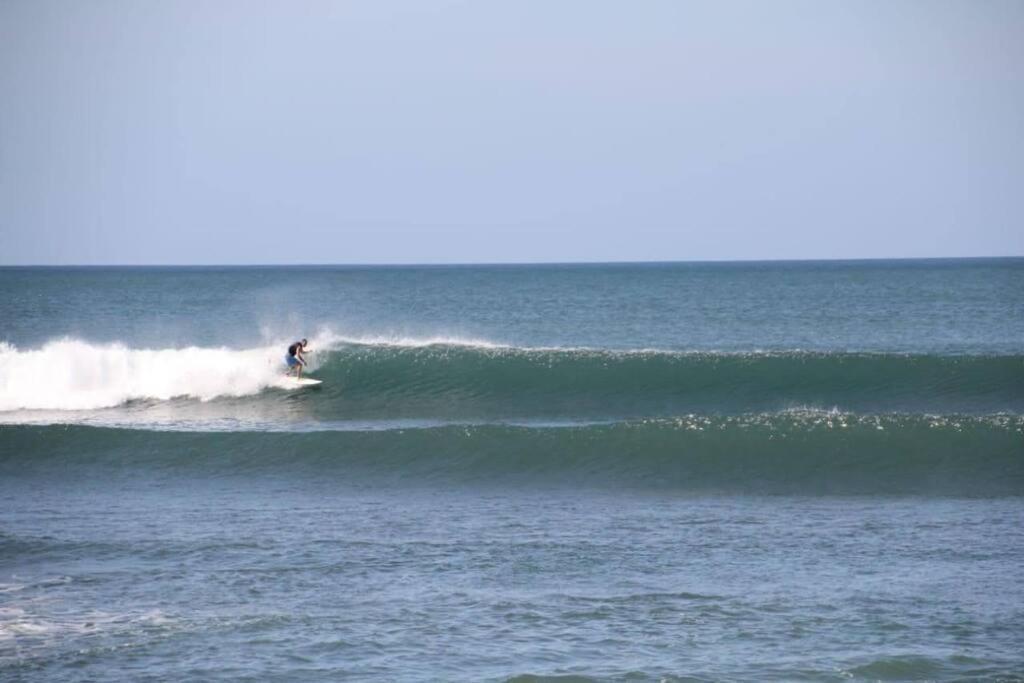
613 472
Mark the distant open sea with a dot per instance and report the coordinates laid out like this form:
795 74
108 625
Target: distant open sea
627 472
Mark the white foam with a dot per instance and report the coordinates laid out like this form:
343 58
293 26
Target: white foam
70 374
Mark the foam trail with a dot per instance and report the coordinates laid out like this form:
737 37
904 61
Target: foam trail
71 374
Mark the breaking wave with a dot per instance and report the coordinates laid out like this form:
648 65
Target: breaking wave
469 379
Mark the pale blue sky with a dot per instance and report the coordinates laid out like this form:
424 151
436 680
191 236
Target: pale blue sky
397 132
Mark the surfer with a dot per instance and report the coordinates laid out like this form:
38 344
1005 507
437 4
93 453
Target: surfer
294 358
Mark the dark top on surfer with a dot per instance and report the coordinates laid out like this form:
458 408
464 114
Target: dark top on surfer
297 347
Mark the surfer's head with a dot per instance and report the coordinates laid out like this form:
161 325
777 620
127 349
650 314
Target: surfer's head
304 342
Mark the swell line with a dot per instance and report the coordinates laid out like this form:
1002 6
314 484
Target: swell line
788 453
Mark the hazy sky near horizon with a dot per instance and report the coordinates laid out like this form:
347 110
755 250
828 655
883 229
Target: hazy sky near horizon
395 132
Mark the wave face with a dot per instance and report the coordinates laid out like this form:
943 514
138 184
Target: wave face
503 381
806 453
455 381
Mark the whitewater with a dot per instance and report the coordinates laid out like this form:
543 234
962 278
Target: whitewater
71 374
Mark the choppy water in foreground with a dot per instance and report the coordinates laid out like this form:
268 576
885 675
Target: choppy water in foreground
791 471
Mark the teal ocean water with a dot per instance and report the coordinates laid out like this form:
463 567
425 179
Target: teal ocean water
721 471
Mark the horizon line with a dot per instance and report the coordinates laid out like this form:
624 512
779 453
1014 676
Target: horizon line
441 264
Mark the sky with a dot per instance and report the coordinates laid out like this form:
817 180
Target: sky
193 132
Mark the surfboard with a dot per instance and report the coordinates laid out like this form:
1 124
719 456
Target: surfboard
295 383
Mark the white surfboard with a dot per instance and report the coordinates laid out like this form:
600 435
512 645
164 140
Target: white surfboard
296 382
